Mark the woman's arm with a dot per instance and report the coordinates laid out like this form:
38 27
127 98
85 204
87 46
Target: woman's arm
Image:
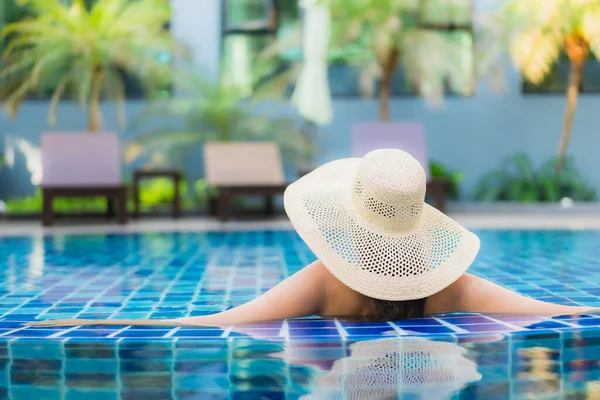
300 295
473 294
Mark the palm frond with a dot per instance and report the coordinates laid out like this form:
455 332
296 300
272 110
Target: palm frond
216 111
116 89
590 27
163 140
534 52
56 96
16 97
533 32
64 38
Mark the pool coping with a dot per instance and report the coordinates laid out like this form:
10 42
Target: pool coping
338 331
498 220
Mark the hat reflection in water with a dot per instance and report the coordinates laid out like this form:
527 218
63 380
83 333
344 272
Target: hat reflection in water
386 368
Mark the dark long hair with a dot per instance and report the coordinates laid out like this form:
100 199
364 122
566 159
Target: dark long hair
386 310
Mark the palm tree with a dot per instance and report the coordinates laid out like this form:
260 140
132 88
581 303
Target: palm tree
66 46
537 32
212 111
384 34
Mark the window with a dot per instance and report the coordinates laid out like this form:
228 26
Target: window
249 26
11 12
557 80
451 21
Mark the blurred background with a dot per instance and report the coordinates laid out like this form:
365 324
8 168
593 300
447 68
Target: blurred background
497 99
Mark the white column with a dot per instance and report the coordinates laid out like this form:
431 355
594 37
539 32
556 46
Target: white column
197 24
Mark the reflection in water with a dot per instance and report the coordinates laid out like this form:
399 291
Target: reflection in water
253 368
387 368
541 370
250 368
32 154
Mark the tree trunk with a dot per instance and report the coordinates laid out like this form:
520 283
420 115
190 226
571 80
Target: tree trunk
578 50
388 68
95 117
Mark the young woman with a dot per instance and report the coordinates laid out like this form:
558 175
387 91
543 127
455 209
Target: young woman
383 253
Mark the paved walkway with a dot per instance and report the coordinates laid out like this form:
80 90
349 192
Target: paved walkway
497 220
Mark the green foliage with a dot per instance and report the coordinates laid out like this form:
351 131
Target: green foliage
454 178
213 111
203 191
159 191
68 47
155 194
33 204
535 33
519 181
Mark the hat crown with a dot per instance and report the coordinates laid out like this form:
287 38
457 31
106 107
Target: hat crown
389 189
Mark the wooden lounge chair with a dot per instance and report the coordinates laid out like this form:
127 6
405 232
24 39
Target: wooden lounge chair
82 165
243 168
407 136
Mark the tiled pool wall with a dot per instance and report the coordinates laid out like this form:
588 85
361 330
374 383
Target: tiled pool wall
557 365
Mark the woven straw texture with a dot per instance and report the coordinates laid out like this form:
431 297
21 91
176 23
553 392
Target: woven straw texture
387 368
367 221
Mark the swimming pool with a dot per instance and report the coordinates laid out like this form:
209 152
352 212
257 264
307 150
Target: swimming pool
168 275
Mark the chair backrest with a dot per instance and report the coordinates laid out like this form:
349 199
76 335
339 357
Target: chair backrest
407 136
80 159
243 164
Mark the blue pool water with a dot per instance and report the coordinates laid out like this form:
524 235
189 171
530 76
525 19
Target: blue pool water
181 274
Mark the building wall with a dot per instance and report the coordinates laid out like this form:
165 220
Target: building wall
470 134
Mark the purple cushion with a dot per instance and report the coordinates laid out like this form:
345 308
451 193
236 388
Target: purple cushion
80 159
407 136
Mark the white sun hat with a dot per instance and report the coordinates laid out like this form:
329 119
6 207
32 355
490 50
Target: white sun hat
366 219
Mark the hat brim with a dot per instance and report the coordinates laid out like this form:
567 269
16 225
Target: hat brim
320 208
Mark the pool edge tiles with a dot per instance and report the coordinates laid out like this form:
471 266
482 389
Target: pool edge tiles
313 329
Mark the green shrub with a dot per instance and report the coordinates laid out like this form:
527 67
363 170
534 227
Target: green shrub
454 178
33 204
159 191
519 181
154 194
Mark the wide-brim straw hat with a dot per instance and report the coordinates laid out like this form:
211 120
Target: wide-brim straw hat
366 219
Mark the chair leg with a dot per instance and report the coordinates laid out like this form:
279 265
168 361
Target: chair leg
176 199
110 207
47 207
136 198
224 205
122 204
269 207
439 196
442 201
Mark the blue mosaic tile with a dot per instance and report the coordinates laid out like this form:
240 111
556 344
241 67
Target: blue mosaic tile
198 333
313 332
172 275
371 331
463 320
434 330
147 333
303 323
487 328
418 322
